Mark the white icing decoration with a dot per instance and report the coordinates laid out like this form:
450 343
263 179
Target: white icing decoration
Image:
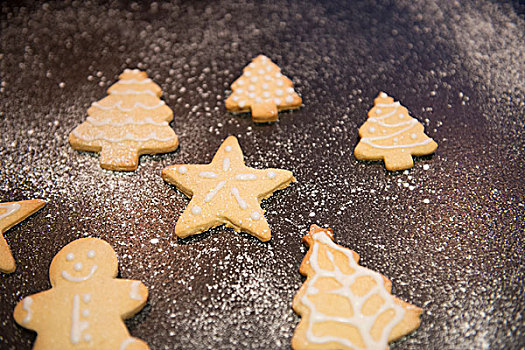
91 254
86 298
85 313
280 83
251 87
288 99
196 210
77 266
383 95
240 82
268 77
127 137
226 164
10 209
240 91
183 169
26 305
214 191
265 86
235 98
277 101
126 342
279 92
77 326
70 278
132 92
361 322
290 90
134 291
271 175
261 71
266 94
413 136
378 111
247 73
278 74
134 81
242 103
251 95
70 256
372 129
254 79
401 115
127 121
242 203
228 148
87 337
208 174
255 216
118 105
245 177
379 120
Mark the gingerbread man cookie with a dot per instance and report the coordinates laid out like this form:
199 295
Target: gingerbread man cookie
263 90
11 213
86 305
392 135
129 122
344 305
225 192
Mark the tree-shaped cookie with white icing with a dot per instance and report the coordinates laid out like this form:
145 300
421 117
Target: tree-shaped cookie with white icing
344 305
392 135
263 90
86 305
132 120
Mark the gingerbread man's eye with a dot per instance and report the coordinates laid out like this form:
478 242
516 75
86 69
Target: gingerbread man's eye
91 254
70 256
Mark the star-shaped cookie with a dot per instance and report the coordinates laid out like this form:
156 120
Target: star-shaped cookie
11 213
225 191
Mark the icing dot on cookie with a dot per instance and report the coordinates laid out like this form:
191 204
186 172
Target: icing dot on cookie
396 139
87 337
254 79
255 215
278 75
251 95
378 111
289 99
85 313
183 170
196 210
266 94
261 71
78 266
280 83
235 98
242 103
383 95
270 174
372 129
70 256
290 90
86 298
228 148
258 100
252 65
267 77
277 101
248 73
91 254
413 136
240 91
278 92
251 87
265 86
401 115
240 82
268 68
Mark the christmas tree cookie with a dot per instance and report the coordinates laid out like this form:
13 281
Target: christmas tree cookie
344 305
11 213
225 192
263 90
86 305
129 122
392 135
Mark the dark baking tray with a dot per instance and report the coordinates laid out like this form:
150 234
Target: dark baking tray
457 66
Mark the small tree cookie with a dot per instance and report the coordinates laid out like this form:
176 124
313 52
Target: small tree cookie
129 122
392 135
263 90
344 305
11 213
86 307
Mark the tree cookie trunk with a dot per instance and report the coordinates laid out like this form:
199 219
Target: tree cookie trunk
264 112
119 158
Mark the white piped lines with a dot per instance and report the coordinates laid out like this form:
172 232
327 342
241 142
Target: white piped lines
127 121
26 305
225 191
118 105
127 137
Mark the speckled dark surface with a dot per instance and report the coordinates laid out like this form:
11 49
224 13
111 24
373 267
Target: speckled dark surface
450 236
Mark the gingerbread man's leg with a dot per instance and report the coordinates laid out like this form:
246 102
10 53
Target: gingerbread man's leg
117 157
133 344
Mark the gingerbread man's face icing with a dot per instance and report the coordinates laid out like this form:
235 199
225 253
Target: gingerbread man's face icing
83 260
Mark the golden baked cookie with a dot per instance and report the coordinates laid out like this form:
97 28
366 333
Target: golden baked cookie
392 135
263 90
344 305
225 192
86 305
129 122
11 213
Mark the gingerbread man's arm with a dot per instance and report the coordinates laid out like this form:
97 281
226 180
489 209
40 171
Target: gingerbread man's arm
30 312
132 296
